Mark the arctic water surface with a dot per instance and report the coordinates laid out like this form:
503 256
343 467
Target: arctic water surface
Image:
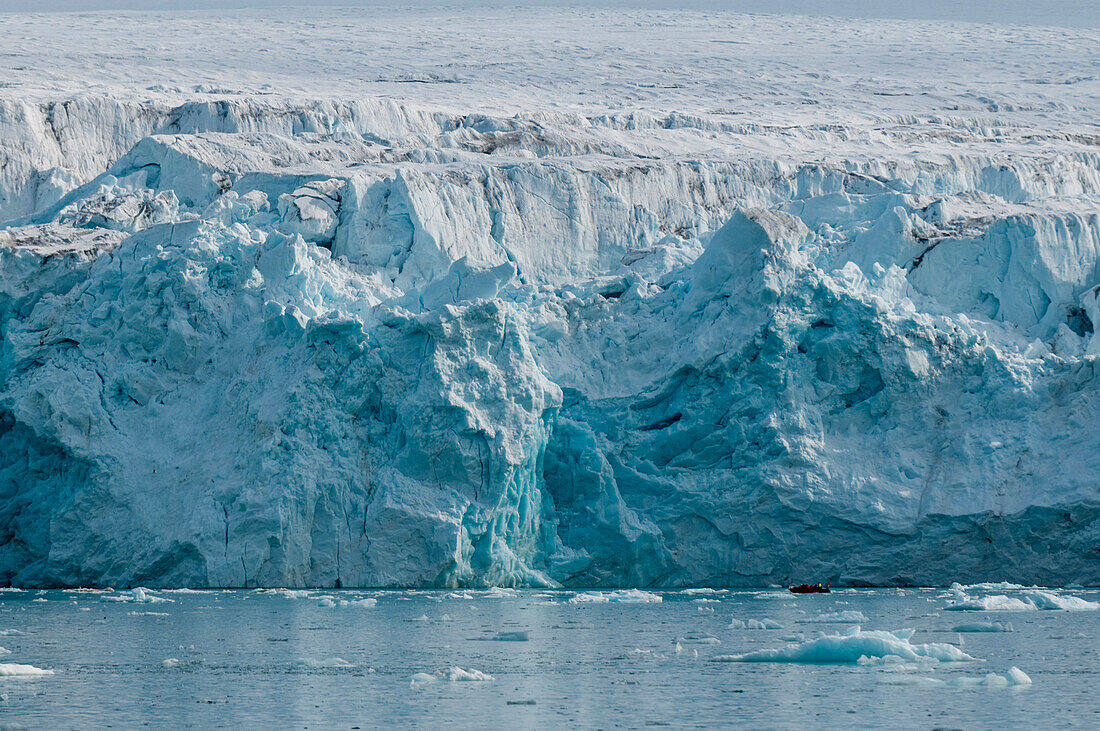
531 659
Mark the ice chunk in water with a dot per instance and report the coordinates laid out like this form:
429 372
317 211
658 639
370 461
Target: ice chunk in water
624 596
1028 600
422 679
850 647
1014 677
848 615
507 637
697 639
9 670
331 601
328 662
498 592
454 674
138 595
754 624
997 603
988 586
457 674
1050 600
983 627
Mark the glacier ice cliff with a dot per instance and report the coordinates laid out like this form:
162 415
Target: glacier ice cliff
261 340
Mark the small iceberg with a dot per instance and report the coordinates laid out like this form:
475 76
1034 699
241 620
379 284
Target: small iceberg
453 674
15 670
854 647
500 592
848 615
331 601
988 586
622 596
1050 600
288 593
138 595
1014 677
697 639
506 637
1028 600
754 624
983 627
328 662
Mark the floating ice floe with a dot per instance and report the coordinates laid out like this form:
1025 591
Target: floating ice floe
1028 600
498 592
518 636
1050 600
170 662
146 614
11 670
697 639
754 624
331 601
623 596
988 586
850 647
701 590
848 615
10 632
983 627
453 674
138 595
328 662
1014 677
4 651
288 593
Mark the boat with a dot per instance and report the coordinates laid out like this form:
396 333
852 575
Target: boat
809 589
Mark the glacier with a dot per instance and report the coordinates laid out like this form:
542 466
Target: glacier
387 323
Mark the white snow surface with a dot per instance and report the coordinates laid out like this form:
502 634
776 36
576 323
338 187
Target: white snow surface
588 297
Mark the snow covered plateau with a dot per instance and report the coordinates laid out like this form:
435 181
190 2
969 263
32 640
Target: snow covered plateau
549 296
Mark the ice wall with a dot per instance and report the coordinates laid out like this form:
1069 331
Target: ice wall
274 340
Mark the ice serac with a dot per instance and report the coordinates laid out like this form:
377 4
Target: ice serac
264 339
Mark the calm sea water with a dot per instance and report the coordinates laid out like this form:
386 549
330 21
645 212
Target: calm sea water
246 659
